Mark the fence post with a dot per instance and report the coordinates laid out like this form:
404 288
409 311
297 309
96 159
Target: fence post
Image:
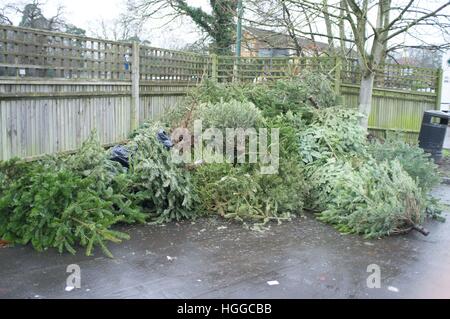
215 67
439 88
338 79
338 75
236 66
135 77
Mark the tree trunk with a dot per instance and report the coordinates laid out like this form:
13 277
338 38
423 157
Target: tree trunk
342 29
370 66
326 16
365 97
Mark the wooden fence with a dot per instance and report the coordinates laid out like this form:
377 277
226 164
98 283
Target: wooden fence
56 88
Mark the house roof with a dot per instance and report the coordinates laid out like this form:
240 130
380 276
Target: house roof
279 40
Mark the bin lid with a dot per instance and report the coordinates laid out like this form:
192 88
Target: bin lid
440 114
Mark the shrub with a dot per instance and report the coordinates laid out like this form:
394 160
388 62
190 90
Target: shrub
156 184
183 114
232 114
290 126
285 192
333 133
374 190
227 191
213 92
412 158
368 198
241 193
60 203
299 95
319 86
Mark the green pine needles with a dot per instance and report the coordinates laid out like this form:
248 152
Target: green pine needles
326 165
63 203
156 185
370 189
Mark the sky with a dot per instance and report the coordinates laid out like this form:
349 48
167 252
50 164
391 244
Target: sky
86 14
81 12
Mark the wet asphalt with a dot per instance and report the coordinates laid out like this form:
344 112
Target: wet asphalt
211 258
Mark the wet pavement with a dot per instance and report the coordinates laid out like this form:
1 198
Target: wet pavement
215 259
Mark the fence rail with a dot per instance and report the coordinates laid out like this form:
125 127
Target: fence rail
30 53
35 53
167 65
56 87
395 76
